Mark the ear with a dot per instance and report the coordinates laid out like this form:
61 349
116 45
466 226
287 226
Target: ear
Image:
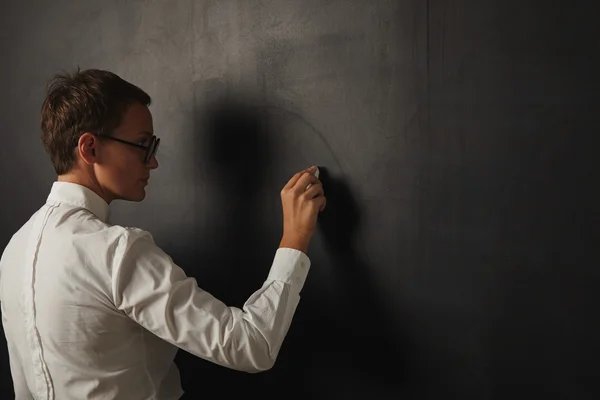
87 147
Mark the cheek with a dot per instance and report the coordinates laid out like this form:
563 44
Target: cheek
122 168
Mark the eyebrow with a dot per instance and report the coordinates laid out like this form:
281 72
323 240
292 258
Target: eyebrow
146 133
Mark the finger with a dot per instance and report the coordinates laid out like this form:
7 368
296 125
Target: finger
304 180
318 204
294 179
321 202
310 184
315 190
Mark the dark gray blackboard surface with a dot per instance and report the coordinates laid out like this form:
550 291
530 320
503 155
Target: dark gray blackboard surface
455 258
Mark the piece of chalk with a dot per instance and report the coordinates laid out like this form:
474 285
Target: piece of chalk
315 174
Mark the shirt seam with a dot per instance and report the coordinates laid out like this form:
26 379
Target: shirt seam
39 351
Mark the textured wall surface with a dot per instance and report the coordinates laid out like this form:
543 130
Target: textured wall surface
455 140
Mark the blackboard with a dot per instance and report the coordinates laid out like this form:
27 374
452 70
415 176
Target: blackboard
454 259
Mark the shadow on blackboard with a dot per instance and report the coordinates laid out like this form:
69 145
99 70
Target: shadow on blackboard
336 339
228 254
349 334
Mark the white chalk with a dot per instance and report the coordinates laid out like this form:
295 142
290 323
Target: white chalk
315 174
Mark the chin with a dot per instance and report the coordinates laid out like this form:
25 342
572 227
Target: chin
140 196
137 197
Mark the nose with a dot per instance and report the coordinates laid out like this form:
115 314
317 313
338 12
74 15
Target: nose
153 163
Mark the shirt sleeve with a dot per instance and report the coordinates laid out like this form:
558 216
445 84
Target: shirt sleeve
156 293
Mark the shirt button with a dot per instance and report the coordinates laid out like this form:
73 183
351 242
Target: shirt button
298 280
303 264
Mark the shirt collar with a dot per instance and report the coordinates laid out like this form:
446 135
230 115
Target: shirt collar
79 195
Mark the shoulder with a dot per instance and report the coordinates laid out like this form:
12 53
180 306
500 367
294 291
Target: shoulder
106 245
125 237
134 246
140 265
129 248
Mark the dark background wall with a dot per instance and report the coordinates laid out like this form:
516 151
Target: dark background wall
454 259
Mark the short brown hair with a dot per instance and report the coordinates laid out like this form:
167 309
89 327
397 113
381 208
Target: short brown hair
92 100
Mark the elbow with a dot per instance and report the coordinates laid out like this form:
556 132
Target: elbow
248 349
260 361
262 367
252 355
255 369
260 357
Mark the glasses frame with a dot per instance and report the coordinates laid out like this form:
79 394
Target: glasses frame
151 148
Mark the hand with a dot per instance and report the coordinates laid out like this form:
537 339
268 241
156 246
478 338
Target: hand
301 206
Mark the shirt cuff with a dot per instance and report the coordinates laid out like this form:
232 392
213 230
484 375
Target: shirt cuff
290 266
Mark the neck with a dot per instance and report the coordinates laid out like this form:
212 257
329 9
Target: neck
88 181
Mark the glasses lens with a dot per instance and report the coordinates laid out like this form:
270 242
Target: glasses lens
152 148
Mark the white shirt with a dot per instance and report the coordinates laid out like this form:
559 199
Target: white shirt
93 310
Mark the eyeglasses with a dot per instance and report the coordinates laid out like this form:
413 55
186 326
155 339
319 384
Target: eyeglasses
151 148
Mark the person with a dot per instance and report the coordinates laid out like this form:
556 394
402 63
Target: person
96 310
